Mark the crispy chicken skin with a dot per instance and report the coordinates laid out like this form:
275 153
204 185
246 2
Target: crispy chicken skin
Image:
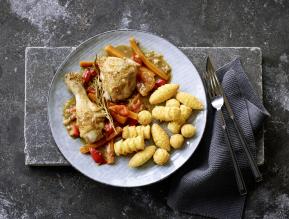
118 76
90 117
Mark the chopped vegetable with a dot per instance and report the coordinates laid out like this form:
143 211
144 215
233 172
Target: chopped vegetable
86 64
160 82
122 110
110 155
132 115
75 131
135 104
137 59
88 75
92 97
97 156
145 81
119 109
146 61
85 149
114 52
108 128
91 90
120 119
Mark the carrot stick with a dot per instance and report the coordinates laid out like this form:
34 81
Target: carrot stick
86 64
85 149
146 61
114 52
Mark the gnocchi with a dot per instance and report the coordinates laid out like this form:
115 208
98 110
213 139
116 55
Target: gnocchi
163 93
189 100
188 130
160 137
177 141
186 112
134 131
142 157
164 113
130 145
161 156
174 127
173 102
144 117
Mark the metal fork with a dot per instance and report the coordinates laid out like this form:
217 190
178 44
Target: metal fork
252 163
217 101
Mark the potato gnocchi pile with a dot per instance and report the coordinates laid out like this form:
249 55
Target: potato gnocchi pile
170 106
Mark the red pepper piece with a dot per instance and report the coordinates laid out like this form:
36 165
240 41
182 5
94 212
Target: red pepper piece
160 82
108 129
75 131
97 156
88 75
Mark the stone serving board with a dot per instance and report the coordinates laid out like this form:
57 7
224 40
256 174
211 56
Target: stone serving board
41 64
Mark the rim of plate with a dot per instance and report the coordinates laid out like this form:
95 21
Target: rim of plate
59 69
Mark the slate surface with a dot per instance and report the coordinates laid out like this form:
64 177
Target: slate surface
62 192
42 63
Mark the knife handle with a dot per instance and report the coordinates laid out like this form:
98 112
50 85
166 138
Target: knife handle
238 175
253 164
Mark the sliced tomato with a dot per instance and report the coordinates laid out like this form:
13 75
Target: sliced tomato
97 156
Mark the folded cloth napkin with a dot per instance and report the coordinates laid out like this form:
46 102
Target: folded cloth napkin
206 184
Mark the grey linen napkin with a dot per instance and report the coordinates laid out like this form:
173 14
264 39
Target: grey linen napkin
206 185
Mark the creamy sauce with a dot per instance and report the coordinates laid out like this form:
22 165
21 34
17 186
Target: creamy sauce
159 61
126 50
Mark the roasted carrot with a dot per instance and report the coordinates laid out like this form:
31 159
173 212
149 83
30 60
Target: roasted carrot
85 149
132 115
123 110
146 61
86 64
119 109
114 52
92 97
118 118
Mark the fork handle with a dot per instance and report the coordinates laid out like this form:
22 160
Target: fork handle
238 175
252 162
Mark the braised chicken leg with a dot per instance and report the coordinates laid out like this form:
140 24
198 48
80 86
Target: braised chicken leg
90 117
118 76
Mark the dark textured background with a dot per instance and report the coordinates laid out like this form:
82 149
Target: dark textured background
62 192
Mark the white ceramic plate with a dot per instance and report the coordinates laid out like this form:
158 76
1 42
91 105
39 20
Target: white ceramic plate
183 73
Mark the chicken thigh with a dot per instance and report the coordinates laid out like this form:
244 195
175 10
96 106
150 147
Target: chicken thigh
90 117
118 76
